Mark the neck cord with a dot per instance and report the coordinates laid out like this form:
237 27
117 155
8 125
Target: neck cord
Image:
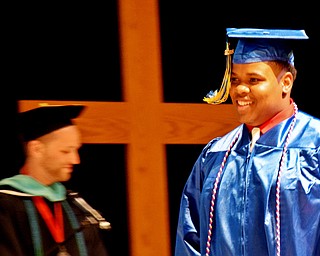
279 179
217 181
54 221
35 228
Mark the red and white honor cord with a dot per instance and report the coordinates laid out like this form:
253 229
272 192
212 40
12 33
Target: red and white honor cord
217 181
279 179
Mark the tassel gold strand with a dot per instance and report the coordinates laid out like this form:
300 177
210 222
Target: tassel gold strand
221 96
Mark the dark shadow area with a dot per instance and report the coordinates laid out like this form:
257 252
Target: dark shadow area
101 180
63 51
12 156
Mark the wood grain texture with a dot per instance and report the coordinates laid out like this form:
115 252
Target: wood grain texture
181 123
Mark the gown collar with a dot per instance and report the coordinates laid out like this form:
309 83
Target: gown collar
278 118
27 184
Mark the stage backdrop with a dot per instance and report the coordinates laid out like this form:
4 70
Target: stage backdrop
92 53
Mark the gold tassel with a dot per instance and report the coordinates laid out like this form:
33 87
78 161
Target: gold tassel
221 96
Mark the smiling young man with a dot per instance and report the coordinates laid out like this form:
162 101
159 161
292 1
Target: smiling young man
256 194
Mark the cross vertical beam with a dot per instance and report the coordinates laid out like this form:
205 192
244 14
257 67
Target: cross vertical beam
142 88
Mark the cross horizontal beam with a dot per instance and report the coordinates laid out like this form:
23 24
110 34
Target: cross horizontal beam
109 122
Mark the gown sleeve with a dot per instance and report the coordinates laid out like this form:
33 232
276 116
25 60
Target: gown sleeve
188 229
9 239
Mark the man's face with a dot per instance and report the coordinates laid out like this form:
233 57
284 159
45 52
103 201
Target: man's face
256 92
60 154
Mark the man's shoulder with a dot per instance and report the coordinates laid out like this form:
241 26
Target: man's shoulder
308 122
11 200
304 116
7 190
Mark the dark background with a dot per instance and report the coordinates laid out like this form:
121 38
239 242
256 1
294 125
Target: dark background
71 52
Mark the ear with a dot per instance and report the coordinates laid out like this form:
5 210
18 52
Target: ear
34 147
287 82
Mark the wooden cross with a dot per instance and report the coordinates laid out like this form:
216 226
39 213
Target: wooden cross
145 123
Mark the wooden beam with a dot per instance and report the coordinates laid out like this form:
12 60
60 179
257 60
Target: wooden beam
181 123
146 165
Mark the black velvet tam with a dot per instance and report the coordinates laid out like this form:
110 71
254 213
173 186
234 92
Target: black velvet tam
37 122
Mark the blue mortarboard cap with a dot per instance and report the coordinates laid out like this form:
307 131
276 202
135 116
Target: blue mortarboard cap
255 45
258 45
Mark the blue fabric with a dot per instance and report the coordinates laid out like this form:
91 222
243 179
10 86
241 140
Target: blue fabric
260 50
244 212
258 45
289 34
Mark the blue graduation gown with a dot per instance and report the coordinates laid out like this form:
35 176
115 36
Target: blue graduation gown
244 216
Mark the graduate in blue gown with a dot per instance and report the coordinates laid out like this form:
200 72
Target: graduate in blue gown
256 198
